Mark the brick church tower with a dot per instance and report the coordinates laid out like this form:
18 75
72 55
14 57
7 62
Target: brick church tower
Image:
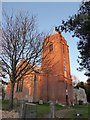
56 82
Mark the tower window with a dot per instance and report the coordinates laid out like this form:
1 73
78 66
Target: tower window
50 47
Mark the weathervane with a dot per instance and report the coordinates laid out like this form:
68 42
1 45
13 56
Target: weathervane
58 29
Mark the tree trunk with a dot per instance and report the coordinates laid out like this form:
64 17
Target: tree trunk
34 89
11 95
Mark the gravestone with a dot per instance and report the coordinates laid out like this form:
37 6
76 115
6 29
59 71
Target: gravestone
52 109
40 102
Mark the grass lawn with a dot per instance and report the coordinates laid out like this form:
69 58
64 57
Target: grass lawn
41 109
45 109
5 105
84 110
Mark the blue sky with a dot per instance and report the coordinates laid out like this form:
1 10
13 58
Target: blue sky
49 15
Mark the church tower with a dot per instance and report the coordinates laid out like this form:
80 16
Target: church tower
56 82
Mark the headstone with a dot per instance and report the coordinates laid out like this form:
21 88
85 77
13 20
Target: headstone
30 99
52 109
40 102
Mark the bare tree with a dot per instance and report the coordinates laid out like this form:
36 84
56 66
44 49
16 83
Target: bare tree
20 40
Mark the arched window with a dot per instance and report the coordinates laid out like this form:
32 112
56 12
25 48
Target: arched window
19 87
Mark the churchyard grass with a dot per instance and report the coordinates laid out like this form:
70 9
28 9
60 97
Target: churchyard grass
45 109
59 107
41 109
5 105
83 110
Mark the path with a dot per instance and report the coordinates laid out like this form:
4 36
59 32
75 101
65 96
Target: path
60 113
7 114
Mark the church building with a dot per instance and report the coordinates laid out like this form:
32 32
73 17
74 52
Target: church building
53 83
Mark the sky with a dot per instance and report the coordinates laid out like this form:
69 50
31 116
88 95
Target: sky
42 0
49 15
